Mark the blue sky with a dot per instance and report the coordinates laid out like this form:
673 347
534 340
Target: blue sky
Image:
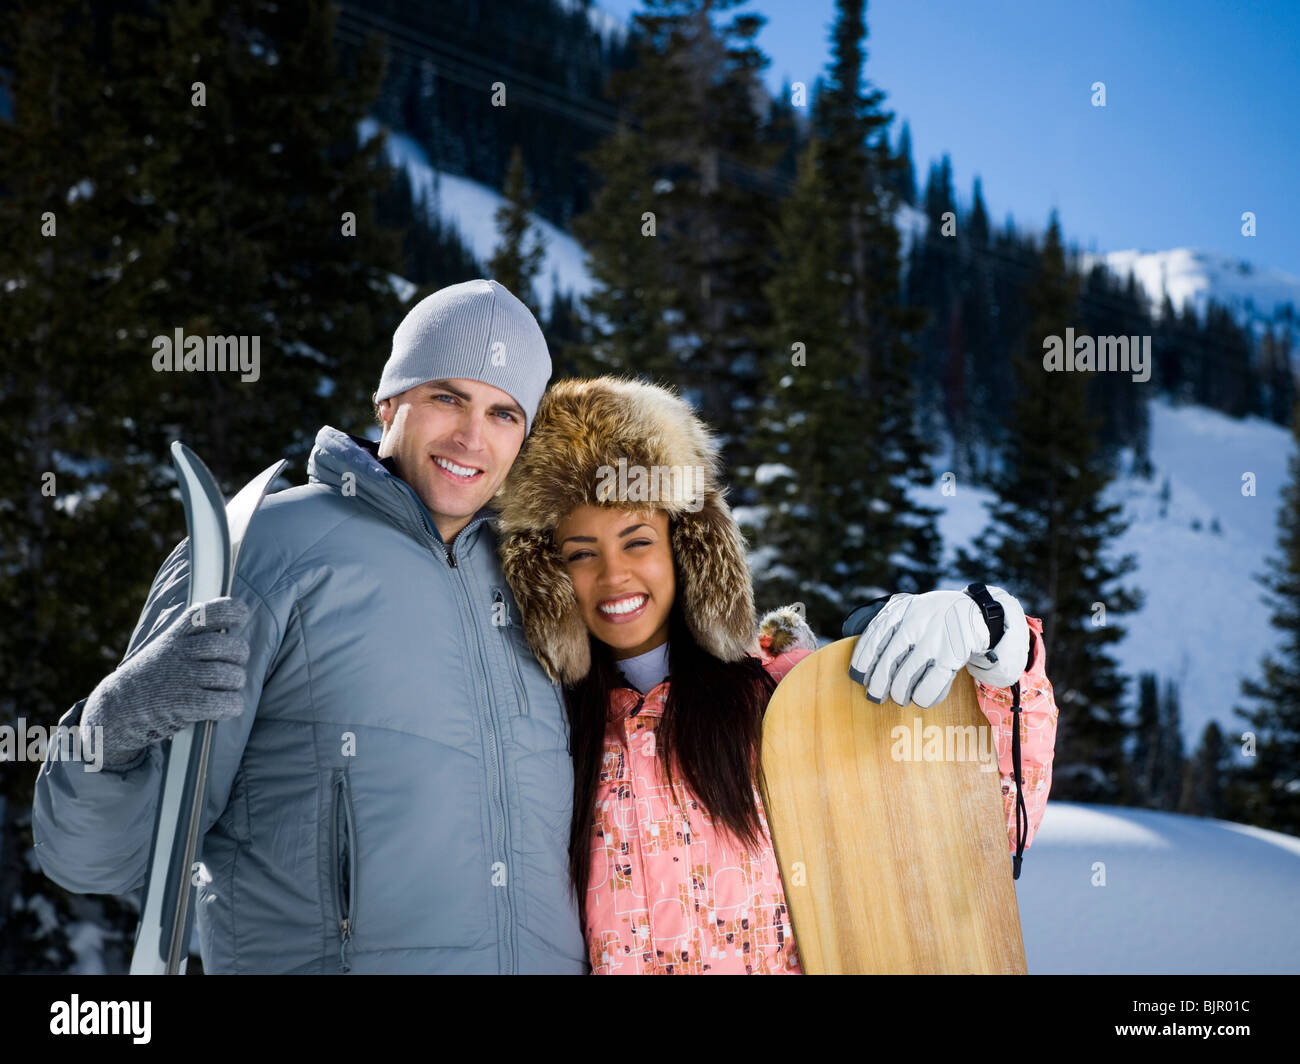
1201 123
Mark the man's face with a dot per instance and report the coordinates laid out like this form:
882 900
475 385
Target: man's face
462 423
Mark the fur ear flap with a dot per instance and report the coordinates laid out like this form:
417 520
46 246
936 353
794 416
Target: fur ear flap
553 622
718 593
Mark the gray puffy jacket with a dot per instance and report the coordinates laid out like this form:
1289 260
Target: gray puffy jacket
396 795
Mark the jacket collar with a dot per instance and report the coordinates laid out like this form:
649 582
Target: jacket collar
626 702
375 483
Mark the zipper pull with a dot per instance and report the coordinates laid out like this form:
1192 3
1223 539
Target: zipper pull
345 926
498 596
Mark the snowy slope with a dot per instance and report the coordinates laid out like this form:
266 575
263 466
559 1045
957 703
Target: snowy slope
471 207
1181 894
1204 623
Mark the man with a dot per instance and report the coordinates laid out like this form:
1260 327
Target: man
390 786
390 789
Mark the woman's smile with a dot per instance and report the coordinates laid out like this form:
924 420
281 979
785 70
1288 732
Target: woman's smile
624 609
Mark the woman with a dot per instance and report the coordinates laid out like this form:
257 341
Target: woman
631 577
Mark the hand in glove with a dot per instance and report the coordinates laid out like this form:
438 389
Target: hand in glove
913 648
192 671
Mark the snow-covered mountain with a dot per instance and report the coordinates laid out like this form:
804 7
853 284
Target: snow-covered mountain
1180 894
1257 296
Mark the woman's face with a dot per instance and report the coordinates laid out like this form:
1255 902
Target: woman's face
621 565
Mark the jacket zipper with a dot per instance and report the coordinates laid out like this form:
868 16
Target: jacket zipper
499 596
401 485
344 862
500 838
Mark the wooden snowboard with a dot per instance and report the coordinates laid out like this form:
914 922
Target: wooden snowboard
889 865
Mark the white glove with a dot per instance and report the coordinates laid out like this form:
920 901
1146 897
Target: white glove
913 648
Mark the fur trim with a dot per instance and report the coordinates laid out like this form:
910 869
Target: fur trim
582 430
785 629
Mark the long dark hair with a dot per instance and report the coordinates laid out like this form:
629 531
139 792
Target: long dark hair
711 725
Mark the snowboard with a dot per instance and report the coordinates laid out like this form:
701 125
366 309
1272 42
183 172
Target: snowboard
891 840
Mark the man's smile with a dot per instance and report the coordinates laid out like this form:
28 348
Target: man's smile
460 474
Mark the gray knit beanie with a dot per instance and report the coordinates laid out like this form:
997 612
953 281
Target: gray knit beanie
477 330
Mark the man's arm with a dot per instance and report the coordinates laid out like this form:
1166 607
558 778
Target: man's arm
93 829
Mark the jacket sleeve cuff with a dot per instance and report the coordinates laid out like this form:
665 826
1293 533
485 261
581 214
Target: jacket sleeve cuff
856 622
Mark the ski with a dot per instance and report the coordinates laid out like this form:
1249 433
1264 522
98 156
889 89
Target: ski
216 532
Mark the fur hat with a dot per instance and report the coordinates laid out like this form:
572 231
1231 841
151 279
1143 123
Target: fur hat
594 442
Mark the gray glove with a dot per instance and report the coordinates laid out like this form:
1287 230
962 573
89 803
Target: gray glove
192 671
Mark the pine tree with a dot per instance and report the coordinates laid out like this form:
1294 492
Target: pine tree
877 328
223 219
626 314
1047 541
518 258
1206 780
694 154
786 129
69 281
434 254
814 489
269 202
564 333
1227 373
1109 306
1279 387
976 420
1146 742
1169 782
935 283
905 182
1270 784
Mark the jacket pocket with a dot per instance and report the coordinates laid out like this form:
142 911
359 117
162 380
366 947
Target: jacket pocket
513 638
343 862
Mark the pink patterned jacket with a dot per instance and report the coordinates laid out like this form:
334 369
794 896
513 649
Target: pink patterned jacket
671 893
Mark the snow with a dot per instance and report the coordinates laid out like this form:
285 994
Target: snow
86 940
608 27
1258 297
472 207
402 288
1204 623
82 190
1182 894
912 224
770 471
